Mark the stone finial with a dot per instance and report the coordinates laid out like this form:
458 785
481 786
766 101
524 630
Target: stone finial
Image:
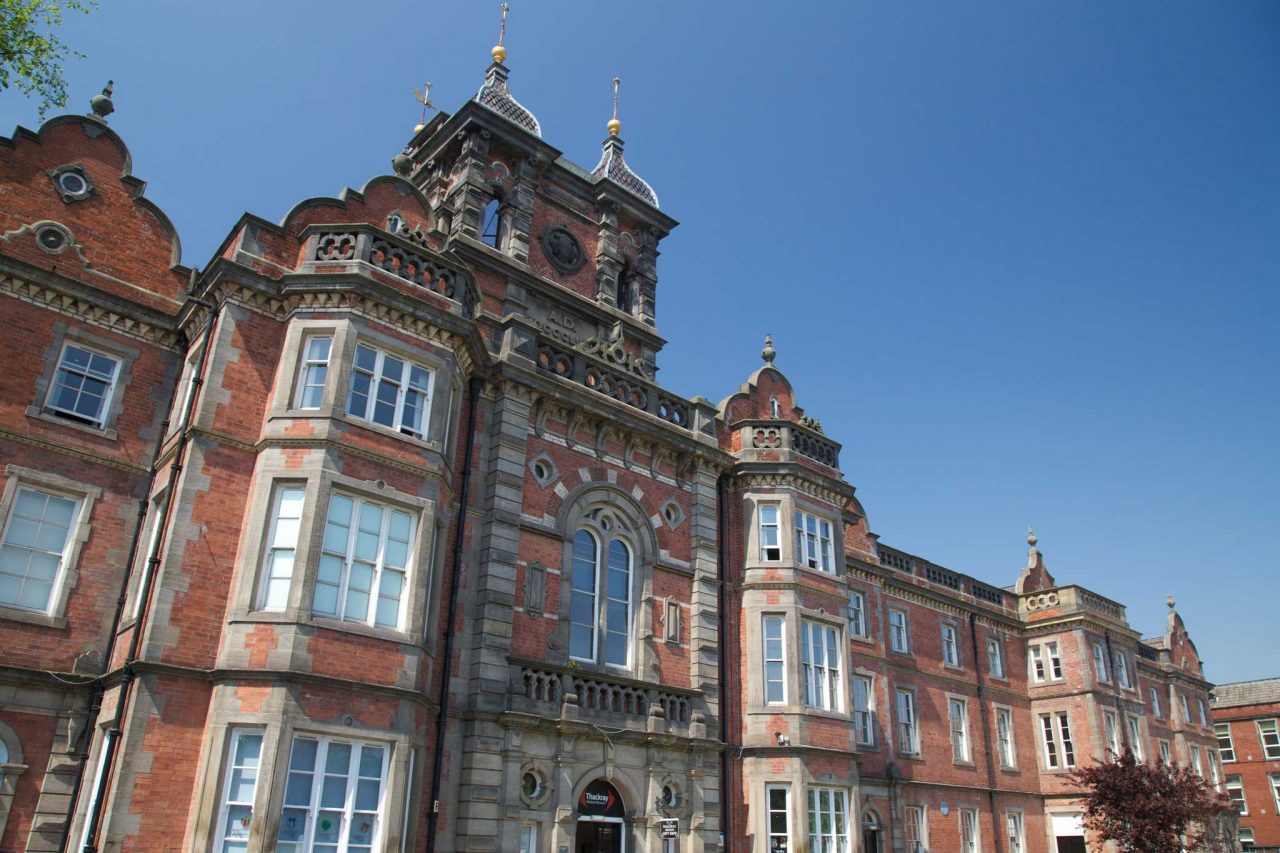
768 353
101 104
1169 601
1034 575
402 163
1031 537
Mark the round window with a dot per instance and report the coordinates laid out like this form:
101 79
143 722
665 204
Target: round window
73 183
51 239
531 786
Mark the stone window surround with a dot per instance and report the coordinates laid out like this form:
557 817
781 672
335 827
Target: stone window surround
906 631
92 340
278 733
318 485
867 635
10 770
968 729
873 703
347 332
918 755
996 708
788 503
944 624
1059 743
55 614
640 538
999 640
842 709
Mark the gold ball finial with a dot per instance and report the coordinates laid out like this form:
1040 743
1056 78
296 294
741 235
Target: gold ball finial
418 128
499 53
614 126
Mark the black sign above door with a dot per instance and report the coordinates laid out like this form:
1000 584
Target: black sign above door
601 799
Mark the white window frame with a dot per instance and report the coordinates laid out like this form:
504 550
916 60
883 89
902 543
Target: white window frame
915 829
283 536
1204 717
958 720
1122 672
380 566
770 528
376 377
1235 784
995 657
1246 838
1269 739
815 539
820 659
1100 668
1043 662
969 836
603 535
1135 736
1156 710
858 626
230 769
1222 731
770 661
1273 780
67 575
908 728
785 812
1195 760
1111 731
1186 707
1055 660
353 777
1215 770
836 812
309 366
950 645
1166 754
32 550
1006 742
99 421
528 837
864 714
899 631
1016 831
1059 748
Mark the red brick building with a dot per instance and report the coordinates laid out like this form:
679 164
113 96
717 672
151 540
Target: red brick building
378 533
1246 719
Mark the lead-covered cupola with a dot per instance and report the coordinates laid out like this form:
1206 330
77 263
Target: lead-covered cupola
613 166
495 93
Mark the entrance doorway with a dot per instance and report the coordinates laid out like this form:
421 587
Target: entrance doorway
600 820
595 836
870 832
1071 844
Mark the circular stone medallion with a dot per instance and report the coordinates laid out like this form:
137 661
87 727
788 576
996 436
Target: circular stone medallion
562 248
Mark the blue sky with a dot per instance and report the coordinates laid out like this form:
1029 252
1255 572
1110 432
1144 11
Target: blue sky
1022 259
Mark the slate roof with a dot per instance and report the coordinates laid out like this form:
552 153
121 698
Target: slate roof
1258 692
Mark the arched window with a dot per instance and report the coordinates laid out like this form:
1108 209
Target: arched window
491 232
600 609
625 296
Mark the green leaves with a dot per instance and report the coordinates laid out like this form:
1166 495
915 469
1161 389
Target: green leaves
31 55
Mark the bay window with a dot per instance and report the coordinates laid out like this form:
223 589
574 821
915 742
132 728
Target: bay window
820 665
829 820
364 561
813 542
389 391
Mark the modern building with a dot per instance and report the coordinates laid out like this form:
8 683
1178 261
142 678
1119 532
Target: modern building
1246 719
377 533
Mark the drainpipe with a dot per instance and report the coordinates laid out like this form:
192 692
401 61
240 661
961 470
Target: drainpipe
442 720
986 743
93 818
722 564
1115 693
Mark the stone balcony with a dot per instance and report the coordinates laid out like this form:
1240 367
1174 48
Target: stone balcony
569 693
1067 601
371 251
775 441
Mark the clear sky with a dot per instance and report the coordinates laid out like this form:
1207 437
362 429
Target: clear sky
1022 259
